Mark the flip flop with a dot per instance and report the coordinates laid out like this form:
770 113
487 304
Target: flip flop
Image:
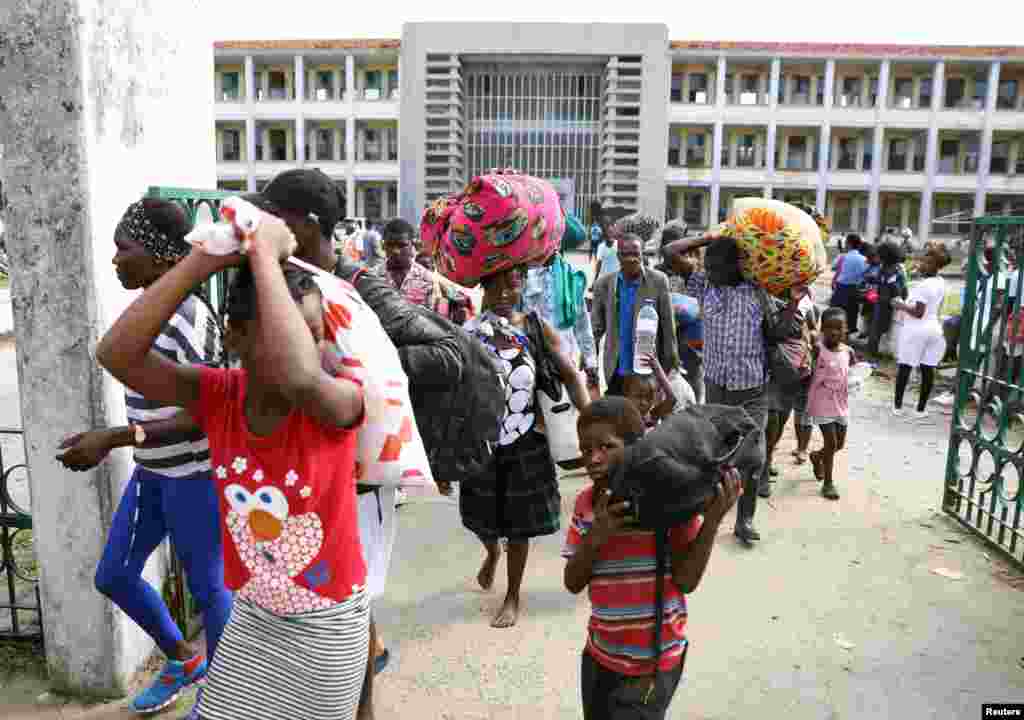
381 662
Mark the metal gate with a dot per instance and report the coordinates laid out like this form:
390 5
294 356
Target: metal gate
542 121
985 463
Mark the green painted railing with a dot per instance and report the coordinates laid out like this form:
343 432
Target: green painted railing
985 462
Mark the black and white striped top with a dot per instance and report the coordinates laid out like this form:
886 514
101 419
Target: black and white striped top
192 336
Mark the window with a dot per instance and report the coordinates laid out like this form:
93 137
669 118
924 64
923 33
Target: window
278 85
393 84
278 145
919 150
949 153
371 145
971 156
954 92
892 212
325 143
746 151
1000 163
393 198
819 93
797 158
869 156
693 213
980 92
698 88
372 203
229 86
873 92
1007 97
751 90
850 96
676 94
903 93
695 149
231 148
847 159
373 85
842 214
324 85
675 149
925 99
801 90
393 145
898 155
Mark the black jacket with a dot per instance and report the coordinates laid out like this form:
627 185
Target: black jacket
456 394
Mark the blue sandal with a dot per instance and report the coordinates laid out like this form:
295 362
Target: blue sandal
381 662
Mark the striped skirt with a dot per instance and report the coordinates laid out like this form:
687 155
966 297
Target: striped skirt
275 667
517 496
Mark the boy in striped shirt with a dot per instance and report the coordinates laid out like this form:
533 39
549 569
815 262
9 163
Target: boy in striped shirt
620 675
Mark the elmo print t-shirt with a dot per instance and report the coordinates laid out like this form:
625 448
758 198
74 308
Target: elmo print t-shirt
287 502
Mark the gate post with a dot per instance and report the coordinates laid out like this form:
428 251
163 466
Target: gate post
100 100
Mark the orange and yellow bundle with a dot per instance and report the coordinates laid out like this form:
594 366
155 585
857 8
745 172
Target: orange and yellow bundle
780 245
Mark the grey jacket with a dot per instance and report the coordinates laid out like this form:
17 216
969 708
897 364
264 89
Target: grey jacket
605 318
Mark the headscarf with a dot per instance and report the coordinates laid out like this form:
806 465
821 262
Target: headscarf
137 226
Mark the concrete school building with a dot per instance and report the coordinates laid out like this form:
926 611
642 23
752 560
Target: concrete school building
877 135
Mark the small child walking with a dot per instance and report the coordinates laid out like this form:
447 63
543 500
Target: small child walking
828 399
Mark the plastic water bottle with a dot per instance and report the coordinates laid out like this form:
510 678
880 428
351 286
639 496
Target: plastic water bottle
646 336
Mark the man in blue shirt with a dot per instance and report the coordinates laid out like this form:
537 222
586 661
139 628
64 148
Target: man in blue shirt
618 298
850 268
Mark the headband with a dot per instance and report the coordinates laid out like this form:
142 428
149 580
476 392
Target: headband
137 226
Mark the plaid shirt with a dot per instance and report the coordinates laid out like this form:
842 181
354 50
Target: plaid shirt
734 353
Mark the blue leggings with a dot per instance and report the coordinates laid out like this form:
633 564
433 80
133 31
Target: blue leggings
187 509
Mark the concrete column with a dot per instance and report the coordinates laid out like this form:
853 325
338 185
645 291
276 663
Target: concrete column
823 163
300 78
883 84
860 153
76 154
733 149
812 98
250 80
876 178
350 196
720 82
759 156
265 83
1012 156
917 91
350 77
837 83
905 212
339 144
985 151
833 160
809 152
784 152
686 86
787 90
865 90
716 168
931 160
350 144
830 83
773 83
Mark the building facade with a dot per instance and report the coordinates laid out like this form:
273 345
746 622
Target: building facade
876 135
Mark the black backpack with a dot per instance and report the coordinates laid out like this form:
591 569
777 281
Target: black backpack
669 475
456 394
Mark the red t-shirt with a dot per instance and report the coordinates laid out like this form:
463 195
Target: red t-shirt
621 627
287 502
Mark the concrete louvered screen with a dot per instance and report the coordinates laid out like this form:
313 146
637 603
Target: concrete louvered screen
444 165
620 147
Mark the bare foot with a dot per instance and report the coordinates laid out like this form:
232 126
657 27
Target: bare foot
819 468
486 575
508 615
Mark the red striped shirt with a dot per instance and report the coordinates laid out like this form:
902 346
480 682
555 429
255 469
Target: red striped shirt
620 632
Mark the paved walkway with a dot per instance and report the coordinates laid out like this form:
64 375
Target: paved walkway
837 613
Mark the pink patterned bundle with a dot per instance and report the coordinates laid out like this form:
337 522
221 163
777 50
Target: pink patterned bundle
500 220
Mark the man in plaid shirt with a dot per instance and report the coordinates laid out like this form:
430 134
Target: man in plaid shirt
735 360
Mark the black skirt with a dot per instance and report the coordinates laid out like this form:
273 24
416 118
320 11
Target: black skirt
517 496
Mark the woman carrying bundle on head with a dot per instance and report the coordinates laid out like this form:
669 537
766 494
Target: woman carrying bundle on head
516 496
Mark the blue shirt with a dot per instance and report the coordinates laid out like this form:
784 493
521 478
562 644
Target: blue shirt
596 236
607 259
626 291
854 266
